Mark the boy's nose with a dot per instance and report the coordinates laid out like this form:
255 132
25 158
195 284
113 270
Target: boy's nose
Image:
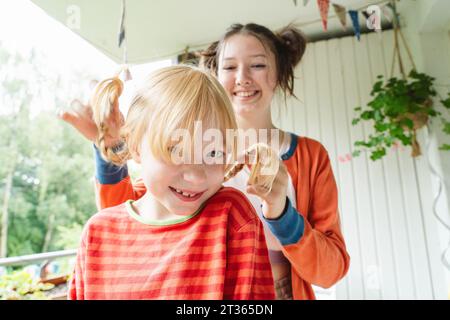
195 174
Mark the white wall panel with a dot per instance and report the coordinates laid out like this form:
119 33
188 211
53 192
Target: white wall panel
385 205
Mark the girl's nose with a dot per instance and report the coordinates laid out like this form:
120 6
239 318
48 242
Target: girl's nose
243 77
195 174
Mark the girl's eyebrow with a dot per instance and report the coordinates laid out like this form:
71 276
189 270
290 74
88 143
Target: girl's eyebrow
251 56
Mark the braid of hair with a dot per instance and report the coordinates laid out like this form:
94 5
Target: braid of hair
265 164
104 100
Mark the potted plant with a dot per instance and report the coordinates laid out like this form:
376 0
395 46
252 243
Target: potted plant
398 109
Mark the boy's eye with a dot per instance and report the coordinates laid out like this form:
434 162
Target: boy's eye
215 154
173 149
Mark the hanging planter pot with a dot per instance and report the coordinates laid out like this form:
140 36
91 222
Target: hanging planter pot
399 108
419 119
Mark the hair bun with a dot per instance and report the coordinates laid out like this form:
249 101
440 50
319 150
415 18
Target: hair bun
295 43
208 57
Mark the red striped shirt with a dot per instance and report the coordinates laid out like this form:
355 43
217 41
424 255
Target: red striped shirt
220 253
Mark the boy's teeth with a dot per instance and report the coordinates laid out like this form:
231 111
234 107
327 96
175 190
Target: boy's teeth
185 194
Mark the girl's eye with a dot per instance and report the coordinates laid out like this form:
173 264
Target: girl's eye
259 66
229 68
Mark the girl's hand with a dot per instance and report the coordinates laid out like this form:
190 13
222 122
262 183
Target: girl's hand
273 202
79 116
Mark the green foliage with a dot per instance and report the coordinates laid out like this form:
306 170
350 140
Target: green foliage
51 163
19 285
395 104
69 236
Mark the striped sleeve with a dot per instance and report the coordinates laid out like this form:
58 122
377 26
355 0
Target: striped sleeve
113 184
111 195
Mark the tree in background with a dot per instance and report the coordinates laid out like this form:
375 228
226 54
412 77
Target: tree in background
46 181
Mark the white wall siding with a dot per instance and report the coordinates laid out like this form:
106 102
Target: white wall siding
385 206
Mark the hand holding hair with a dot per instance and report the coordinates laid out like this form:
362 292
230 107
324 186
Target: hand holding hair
80 116
268 178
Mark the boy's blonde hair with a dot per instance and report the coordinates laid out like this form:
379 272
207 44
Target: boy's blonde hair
171 98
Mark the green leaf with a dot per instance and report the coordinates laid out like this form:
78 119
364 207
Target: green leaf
446 102
408 122
356 153
378 154
366 115
446 127
360 144
380 127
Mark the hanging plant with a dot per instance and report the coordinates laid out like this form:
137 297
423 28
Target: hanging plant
399 108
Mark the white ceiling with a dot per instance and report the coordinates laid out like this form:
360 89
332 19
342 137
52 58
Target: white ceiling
157 29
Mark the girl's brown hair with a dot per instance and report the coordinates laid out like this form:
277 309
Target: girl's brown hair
287 45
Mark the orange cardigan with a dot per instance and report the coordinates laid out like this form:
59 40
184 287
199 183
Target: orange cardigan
320 256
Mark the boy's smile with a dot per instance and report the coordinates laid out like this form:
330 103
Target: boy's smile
186 195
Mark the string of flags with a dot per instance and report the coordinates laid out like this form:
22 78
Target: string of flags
372 14
124 70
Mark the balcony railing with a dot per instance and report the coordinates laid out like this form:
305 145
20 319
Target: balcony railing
46 256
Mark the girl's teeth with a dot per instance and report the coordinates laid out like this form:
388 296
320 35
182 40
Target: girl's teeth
245 94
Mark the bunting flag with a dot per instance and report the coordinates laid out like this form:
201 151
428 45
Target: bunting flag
388 10
365 14
124 72
122 25
355 21
324 6
341 13
373 18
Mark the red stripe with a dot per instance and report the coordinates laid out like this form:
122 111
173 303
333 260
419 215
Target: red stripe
144 228
96 240
191 254
231 251
164 293
197 259
182 274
